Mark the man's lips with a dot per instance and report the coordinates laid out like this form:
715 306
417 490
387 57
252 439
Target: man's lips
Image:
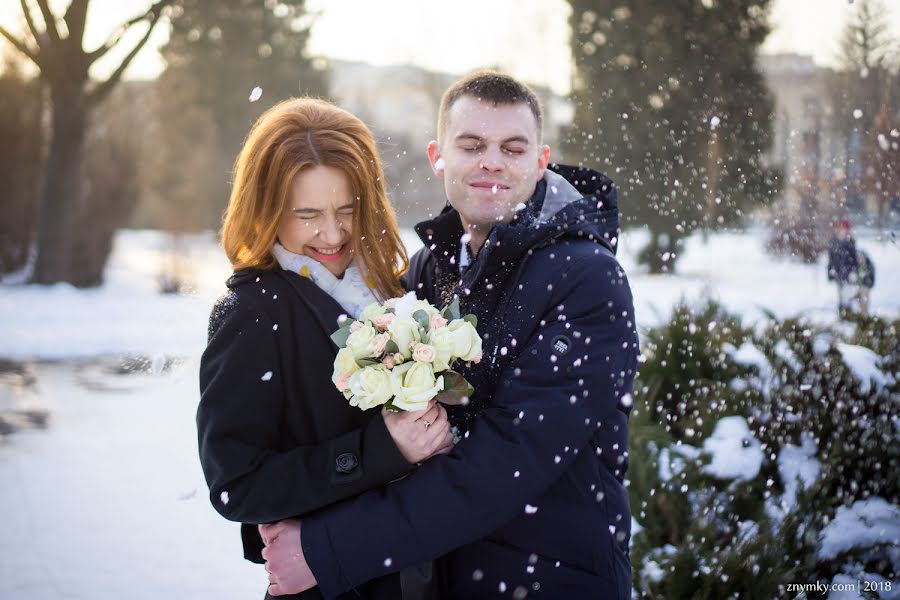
341 251
494 186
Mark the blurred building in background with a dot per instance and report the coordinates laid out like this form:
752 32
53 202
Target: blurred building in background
805 146
836 157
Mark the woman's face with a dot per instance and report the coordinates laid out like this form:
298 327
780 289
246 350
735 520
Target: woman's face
318 221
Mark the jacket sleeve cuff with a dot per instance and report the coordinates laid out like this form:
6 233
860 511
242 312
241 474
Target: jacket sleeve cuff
385 462
319 554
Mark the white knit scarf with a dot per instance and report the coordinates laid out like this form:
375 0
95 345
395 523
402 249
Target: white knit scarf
350 291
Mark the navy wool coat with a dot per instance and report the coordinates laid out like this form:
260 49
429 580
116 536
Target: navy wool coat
531 501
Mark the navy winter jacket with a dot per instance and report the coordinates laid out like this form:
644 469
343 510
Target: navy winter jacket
842 260
532 498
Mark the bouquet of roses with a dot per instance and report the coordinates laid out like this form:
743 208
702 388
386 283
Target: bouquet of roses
400 353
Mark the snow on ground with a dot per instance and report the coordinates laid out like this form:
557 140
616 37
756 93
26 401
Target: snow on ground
110 501
126 315
734 269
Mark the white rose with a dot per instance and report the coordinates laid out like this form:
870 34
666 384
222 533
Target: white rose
405 332
427 307
439 339
414 385
371 311
376 346
359 341
344 366
465 341
370 387
423 353
403 307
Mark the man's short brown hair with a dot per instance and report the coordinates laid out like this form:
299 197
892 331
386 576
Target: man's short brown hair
494 87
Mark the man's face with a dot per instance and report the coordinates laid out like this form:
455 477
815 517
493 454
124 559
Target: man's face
490 159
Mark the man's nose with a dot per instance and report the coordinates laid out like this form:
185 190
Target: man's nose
492 159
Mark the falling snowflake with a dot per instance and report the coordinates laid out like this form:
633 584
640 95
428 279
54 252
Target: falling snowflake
267 376
256 94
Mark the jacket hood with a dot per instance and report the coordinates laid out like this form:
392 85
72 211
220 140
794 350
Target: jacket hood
569 202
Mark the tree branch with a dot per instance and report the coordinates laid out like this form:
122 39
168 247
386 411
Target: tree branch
102 90
20 46
152 15
49 21
28 19
75 18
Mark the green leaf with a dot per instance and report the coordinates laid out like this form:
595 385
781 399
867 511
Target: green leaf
457 390
390 406
471 319
421 317
340 336
391 347
366 362
451 311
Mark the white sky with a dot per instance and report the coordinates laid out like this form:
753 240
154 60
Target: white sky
528 38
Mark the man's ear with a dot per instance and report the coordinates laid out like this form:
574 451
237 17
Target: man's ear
543 161
437 161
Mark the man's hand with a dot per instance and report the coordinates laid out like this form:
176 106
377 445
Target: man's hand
285 562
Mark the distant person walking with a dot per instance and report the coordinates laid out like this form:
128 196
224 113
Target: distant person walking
843 265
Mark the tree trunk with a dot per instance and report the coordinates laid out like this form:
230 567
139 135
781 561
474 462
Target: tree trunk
660 253
60 190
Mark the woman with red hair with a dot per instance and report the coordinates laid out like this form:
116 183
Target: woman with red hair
311 236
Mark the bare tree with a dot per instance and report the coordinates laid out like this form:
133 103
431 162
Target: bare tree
57 50
20 170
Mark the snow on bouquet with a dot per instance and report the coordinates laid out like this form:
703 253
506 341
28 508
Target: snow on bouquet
400 353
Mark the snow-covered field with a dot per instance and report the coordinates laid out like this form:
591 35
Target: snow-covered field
126 315
110 502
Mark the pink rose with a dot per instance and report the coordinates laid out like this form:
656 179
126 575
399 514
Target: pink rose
381 322
423 353
355 326
376 346
343 381
388 361
436 322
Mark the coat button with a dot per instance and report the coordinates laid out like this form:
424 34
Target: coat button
346 462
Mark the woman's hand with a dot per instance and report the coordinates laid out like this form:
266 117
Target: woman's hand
419 435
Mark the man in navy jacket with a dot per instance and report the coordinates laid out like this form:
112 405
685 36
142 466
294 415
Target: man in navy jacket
531 502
